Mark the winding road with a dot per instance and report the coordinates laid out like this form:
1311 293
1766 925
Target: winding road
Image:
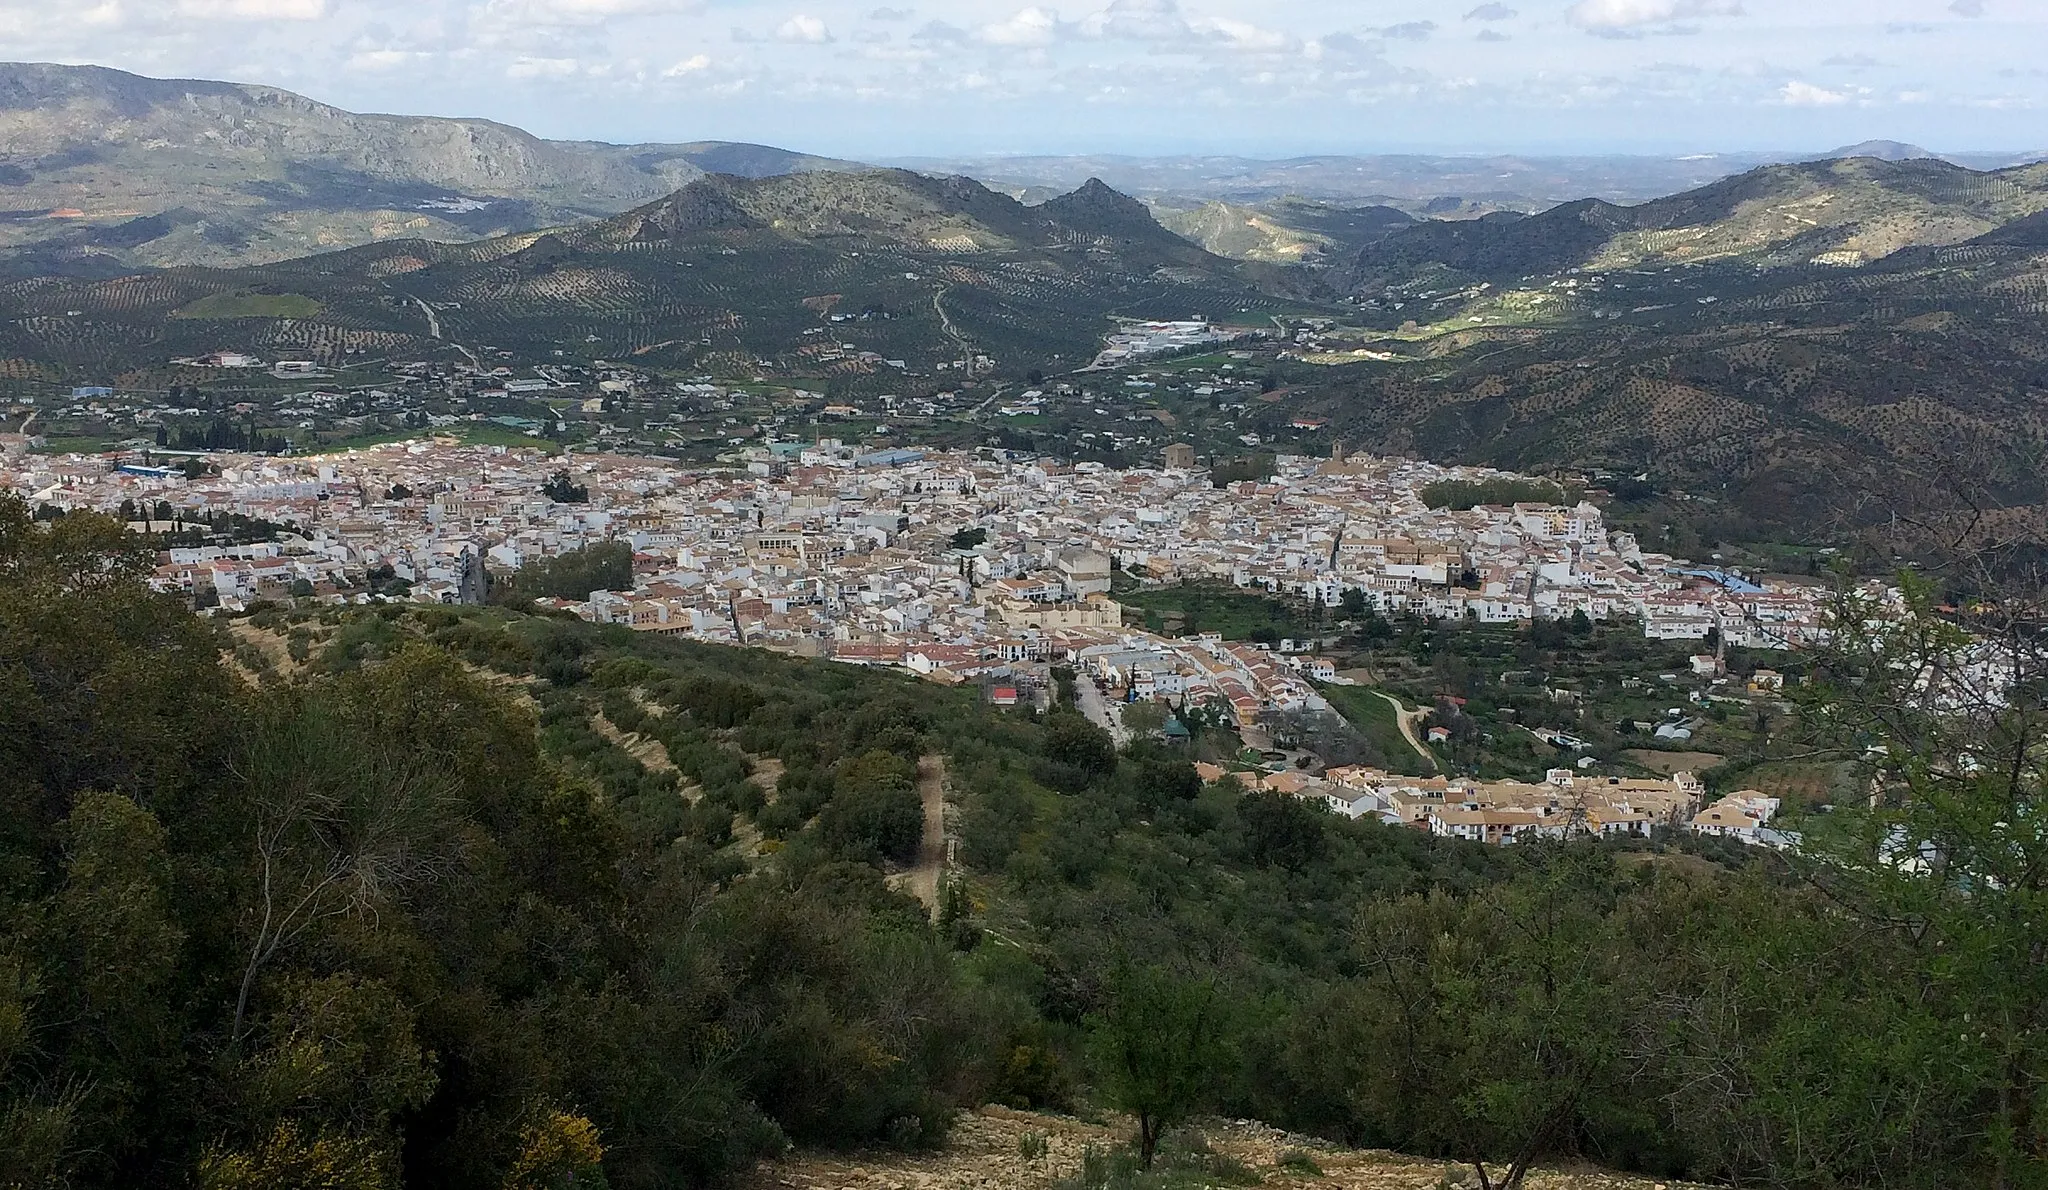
1409 721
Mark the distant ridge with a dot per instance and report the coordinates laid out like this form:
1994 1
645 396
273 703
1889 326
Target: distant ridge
1854 210
1883 150
257 173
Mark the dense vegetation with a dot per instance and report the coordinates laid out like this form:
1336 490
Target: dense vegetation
606 566
477 898
1461 494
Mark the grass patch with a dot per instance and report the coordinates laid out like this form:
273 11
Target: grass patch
220 306
1237 614
76 444
1373 717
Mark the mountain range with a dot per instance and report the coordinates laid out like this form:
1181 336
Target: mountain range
101 171
1799 347
1808 348
728 274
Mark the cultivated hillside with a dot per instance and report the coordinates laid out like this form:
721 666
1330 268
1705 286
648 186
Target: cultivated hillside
1842 212
1815 348
1284 230
728 274
103 169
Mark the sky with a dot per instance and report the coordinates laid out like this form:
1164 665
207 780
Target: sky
1265 78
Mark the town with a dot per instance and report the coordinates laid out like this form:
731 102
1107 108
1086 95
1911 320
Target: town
983 566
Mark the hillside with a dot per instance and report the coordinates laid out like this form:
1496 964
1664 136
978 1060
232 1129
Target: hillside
983 1151
733 274
1841 212
1809 349
414 896
1283 231
100 169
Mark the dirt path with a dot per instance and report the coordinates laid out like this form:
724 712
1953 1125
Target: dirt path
1410 723
270 644
983 1153
639 747
922 881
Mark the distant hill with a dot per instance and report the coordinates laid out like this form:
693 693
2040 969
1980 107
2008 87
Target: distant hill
1283 231
1841 212
727 274
1883 150
102 170
1806 349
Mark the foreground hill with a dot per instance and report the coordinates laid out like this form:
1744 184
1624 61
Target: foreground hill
730 273
101 169
423 896
983 1151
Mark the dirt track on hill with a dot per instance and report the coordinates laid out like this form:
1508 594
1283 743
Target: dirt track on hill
983 1154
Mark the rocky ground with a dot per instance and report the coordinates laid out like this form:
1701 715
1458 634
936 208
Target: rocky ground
997 1149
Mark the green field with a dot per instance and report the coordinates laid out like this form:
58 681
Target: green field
1238 614
1373 716
250 305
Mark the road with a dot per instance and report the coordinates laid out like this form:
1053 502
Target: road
1097 708
433 319
1409 720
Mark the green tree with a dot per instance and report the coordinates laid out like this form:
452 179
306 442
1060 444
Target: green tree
1948 861
1158 1049
1071 740
563 490
606 566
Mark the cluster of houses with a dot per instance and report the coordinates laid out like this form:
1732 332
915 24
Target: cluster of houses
945 562
1563 805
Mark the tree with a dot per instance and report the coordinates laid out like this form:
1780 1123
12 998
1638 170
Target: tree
1158 1049
564 490
606 566
1509 1013
1282 830
968 538
875 812
1144 716
1070 739
1947 715
340 826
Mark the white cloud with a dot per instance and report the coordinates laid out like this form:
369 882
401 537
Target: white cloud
1608 16
580 12
1238 35
1491 12
940 31
803 30
1138 20
541 68
891 14
382 60
1410 31
253 10
1800 94
1967 8
689 65
1028 27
